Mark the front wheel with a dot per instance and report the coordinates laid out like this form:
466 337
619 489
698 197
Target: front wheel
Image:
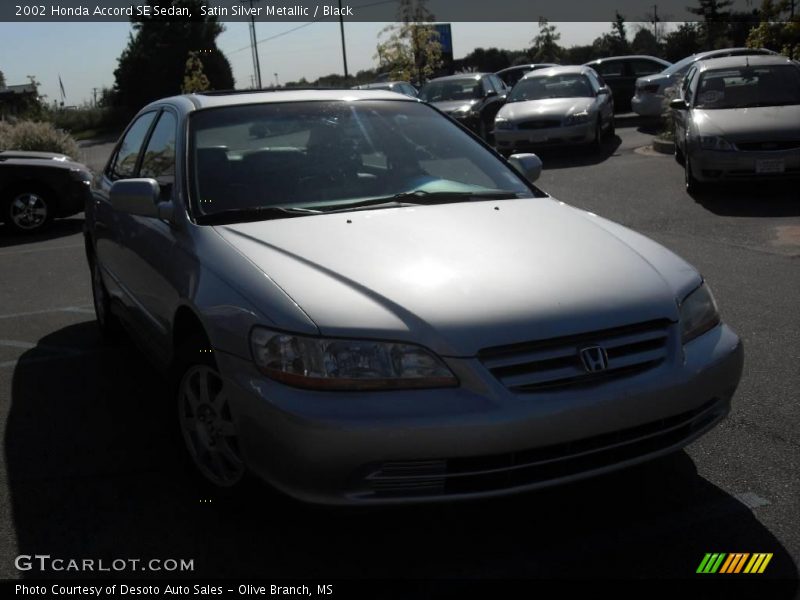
693 186
597 143
107 322
28 210
204 416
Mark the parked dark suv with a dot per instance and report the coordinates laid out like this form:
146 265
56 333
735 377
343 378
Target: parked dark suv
621 72
473 99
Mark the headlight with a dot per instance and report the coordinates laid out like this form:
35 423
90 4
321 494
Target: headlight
577 118
341 364
463 111
698 313
714 142
500 123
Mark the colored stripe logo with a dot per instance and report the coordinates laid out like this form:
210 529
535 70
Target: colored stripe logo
737 562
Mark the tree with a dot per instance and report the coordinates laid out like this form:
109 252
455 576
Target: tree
614 43
683 42
545 44
486 60
779 29
714 25
2 80
644 42
194 80
153 64
412 51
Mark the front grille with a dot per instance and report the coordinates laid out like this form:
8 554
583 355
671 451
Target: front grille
477 474
770 146
556 363
539 124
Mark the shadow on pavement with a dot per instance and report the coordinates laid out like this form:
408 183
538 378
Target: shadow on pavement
93 474
57 229
577 156
752 199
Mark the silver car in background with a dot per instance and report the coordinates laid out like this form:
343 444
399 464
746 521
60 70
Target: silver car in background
555 106
650 94
738 118
371 306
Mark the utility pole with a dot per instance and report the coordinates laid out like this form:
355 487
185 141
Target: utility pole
655 22
254 44
276 80
344 48
94 95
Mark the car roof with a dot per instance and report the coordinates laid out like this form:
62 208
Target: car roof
190 102
598 61
741 49
526 66
560 70
475 76
754 60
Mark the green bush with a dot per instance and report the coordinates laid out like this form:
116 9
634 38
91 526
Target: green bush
40 137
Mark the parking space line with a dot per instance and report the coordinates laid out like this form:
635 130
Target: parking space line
83 309
45 249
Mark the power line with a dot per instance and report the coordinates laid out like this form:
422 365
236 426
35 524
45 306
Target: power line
317 20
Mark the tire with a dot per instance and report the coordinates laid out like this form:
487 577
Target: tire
208 433
28 210
693 186
679 157
109 325
597 143
612 130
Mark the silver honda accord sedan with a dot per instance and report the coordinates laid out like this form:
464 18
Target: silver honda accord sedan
369 305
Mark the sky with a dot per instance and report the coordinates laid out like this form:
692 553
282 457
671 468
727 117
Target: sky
85 55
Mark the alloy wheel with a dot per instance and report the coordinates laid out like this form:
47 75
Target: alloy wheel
28 211
208 429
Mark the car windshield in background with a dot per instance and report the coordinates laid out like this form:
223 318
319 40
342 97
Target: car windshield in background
323 156
745 87
554 86
451 89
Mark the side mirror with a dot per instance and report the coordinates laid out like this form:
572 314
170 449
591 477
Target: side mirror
528 165
136 197
491 93
603 91
678 104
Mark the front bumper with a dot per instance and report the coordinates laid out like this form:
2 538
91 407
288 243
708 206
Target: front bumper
521 139
712 165
479 439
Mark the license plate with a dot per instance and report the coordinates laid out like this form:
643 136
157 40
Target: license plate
772 165
537 138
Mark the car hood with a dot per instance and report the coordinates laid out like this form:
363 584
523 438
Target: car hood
762 123
549 107
461 277
453 105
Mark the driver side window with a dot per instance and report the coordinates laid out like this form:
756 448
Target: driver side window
123 166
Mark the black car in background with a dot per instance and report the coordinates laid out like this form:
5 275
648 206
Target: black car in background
621 72
473 99
511 75
36 187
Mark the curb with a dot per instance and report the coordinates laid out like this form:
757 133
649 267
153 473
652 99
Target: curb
663 146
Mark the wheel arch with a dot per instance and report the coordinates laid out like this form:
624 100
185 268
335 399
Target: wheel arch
186 325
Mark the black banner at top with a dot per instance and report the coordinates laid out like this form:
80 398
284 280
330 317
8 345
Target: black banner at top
353 10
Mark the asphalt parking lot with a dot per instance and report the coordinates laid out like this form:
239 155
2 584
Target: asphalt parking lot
88 469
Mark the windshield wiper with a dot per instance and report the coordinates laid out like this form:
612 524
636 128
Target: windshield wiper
421 197
258 213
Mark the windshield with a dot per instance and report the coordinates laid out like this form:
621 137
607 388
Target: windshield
328 155
451 89
553 86
743 87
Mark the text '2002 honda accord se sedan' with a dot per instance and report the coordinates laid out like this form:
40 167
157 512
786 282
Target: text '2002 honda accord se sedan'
373 306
